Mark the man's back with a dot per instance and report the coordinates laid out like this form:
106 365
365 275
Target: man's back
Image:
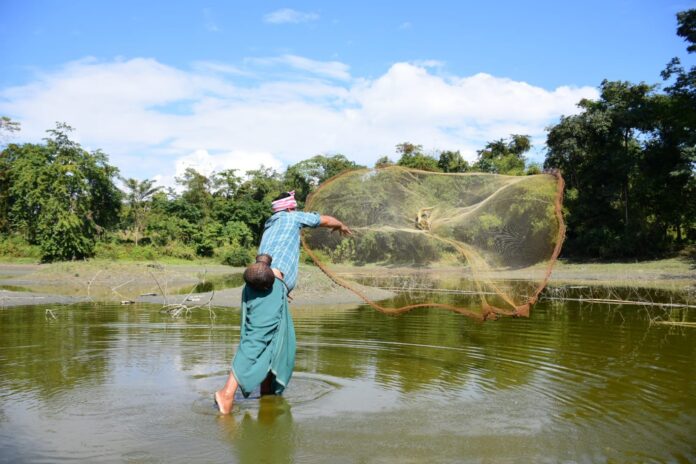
281 240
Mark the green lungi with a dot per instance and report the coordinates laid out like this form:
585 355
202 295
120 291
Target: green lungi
267 341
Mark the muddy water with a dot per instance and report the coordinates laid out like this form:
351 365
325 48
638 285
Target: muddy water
574 383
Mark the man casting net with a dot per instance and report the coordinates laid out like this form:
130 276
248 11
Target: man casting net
494 237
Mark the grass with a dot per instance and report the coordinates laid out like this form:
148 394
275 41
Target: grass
663 273
15 250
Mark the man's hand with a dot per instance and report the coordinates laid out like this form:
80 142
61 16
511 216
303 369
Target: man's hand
342 229
335 225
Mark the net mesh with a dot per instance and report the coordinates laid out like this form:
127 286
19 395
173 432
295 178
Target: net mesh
479 244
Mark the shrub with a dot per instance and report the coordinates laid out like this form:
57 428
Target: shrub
15 246
179 250
235 255
108 250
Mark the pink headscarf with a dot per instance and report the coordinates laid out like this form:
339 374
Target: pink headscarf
284 203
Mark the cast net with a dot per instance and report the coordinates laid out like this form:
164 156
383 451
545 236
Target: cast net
479 244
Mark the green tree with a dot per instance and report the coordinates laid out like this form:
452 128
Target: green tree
412 156
306 175
7 127
61 196
383 162
225 183
195 203
252 203
138 196
452 161
504 157
618 158
629 160
678 129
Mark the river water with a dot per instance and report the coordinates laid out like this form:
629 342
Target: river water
573 383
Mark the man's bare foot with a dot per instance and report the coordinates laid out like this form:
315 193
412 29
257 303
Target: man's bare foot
224 401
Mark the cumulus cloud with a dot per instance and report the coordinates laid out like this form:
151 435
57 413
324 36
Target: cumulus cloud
153 119
287 15
242 161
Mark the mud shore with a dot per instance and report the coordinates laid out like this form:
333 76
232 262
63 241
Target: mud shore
128 283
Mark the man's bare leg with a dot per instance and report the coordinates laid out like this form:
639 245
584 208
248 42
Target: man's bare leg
267 385
225 397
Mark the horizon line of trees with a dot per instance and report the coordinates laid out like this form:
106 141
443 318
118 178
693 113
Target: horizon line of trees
628 158
65 200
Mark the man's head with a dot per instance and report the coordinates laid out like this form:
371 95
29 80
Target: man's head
284 201
259 275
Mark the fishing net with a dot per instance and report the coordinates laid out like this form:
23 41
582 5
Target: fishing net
479 244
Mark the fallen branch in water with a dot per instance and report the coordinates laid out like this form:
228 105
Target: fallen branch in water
177 309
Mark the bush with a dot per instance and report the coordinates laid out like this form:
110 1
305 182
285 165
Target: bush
238 231
15 246
235 255
205 248
179 250
108 250
116 251
345 251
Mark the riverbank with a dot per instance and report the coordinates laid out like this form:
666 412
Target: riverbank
129 283
109 281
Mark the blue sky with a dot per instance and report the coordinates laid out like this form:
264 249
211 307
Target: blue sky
164 85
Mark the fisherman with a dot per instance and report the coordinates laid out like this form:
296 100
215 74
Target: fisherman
266 353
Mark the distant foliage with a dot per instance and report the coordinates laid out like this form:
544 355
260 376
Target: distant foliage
59 196
628 158
235 255
504 157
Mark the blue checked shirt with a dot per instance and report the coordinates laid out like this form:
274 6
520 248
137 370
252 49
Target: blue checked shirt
281 240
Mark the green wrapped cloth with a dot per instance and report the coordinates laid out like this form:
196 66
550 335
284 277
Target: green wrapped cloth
267 341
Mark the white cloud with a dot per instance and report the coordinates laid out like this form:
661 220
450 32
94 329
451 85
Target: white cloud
287 15
429 63
220 68
152 119
332 69
242 161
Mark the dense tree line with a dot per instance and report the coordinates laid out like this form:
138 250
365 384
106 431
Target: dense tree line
629 160
64 200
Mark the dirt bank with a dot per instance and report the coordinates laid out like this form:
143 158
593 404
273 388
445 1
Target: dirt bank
64 283
103 281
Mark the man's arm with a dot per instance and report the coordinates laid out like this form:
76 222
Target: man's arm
334 224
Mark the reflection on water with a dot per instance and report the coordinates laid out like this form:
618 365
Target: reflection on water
455 289
575 382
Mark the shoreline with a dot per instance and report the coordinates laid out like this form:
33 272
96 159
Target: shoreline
149 283
142 282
